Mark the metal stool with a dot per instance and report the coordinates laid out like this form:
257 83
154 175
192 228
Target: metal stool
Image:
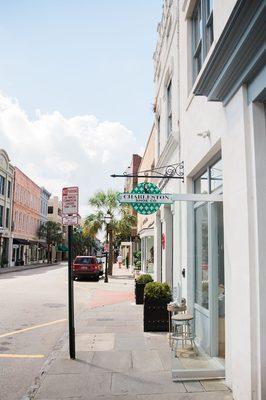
182 330
173 309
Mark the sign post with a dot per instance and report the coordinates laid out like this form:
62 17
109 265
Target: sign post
70 218
71 318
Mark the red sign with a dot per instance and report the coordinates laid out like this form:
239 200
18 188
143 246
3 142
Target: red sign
70 200
163 241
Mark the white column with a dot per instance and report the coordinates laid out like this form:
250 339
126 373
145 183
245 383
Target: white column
157 248
257 227
167 253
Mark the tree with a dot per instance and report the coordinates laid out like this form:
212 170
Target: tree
123 227
103 203
52 232
83 243
120 226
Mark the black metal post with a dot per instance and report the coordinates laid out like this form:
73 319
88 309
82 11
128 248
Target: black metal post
71 320
106 268
106 258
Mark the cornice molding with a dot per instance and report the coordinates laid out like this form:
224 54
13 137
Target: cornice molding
239 54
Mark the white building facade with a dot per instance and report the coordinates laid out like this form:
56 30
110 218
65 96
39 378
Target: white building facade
210 113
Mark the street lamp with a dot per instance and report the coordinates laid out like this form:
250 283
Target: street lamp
107 219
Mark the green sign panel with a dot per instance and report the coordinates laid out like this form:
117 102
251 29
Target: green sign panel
146 198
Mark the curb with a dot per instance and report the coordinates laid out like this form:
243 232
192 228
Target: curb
26 267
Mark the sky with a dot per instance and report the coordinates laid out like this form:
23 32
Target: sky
76 88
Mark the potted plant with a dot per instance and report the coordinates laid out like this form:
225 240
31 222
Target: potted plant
140 283
156 297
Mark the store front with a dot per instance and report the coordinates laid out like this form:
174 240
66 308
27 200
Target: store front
147 251
209 305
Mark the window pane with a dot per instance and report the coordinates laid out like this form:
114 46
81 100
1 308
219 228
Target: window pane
169 98
201 256
197 26
209 7
216 175
201 184
7 217
2 185
1 215
9 189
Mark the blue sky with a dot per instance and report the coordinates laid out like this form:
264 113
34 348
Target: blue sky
76 88
81 57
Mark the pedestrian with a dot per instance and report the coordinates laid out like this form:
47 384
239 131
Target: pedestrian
119 260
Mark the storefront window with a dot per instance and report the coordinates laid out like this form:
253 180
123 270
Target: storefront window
201 256
202 184
149 262
216 176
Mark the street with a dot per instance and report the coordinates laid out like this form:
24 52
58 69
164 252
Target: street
33 317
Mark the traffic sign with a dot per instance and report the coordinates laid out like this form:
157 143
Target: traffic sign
70 220
70 200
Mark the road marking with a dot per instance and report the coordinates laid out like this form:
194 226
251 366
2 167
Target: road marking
21 356
32 327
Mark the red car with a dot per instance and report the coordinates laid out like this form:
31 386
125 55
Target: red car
87 267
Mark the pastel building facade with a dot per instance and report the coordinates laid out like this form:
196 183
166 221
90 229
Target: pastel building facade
6 194
128 248
26 219
146 222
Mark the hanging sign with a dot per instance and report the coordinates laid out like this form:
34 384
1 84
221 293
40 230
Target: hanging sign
146 198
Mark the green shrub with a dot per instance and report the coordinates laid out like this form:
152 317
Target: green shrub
137 256
138 265
157 291
145 278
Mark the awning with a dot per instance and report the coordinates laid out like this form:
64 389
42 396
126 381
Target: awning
24 241
62 247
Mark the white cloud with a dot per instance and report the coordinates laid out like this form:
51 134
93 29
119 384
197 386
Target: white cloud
55 151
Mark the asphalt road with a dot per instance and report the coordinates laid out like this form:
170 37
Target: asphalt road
33 317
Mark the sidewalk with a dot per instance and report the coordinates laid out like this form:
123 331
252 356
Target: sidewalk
115 359
25 267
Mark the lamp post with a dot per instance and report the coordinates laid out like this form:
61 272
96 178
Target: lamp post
107 219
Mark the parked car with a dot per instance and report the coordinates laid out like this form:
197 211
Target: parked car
100 263
86 266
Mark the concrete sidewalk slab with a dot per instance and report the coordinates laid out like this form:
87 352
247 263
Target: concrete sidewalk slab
115 359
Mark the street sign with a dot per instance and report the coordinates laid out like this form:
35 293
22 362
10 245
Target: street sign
70 200
70 220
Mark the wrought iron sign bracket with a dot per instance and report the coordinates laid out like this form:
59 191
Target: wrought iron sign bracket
173 171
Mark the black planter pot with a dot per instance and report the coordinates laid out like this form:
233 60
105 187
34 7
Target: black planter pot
155 315
139 292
